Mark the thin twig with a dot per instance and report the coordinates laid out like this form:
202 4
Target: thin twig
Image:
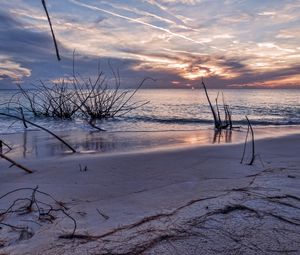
32 205
38 126
16 164
253 144
102 214
250 129
5 144
245 145
217 124
23 117
52 32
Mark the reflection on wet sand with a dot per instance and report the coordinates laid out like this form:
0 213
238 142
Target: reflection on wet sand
35 144
222 136
25 143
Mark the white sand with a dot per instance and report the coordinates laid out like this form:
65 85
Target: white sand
177 201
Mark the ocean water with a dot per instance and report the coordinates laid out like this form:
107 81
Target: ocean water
176 109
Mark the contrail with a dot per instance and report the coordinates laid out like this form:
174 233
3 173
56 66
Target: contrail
142 12
136 21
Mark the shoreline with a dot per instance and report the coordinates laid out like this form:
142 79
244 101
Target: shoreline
39 144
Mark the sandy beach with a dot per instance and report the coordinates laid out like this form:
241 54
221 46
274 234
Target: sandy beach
154 127
178 200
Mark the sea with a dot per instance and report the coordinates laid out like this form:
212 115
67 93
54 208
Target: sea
179 109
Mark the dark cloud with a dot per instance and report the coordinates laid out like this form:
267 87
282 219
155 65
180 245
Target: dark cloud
4 76
236 64
17 41
255 77
35 51
6 21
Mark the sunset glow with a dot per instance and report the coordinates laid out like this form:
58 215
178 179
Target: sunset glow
231 43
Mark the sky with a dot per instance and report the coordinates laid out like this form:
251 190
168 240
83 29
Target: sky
230 43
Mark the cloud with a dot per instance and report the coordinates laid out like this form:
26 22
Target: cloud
12 70
20 42
189 2
138 21
284 78
174 41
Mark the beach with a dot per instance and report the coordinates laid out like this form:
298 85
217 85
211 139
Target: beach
188 199
166 127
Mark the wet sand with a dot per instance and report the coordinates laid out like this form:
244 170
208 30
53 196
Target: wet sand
39 144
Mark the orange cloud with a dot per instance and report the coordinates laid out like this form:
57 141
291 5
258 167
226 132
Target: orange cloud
283 82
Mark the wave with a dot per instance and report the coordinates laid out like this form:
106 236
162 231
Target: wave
170 120
268 123
187 121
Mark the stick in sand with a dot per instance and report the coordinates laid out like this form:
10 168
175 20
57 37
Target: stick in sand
14 163
38 126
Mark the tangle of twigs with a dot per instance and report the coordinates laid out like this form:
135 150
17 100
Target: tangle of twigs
34 204
76 96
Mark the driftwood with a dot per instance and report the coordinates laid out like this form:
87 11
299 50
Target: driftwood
52 32
5 144
252 141
38 126
218 110
228 118
23 117
97 100
102 214
250 129
32 204
219 124
92 123
77 96
14 163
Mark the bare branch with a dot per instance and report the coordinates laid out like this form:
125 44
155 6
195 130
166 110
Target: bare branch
250 129
52 32
14 163
38 126
217 123
252 141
